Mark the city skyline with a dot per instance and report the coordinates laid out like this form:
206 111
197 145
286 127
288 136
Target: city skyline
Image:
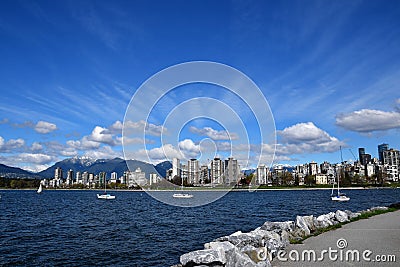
329 71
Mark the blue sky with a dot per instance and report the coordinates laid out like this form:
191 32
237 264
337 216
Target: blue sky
330 71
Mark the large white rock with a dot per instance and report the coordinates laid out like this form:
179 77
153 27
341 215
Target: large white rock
274 226
302 225
309 220
323 220
225 246
205 256
341 216
240 259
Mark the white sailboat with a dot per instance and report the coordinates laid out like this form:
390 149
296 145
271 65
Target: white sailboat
105 195
182 195
40 189
341 197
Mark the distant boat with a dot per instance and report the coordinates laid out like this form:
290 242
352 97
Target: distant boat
339 196
182 195
40 189
105 195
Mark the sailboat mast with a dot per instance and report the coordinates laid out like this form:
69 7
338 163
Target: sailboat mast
341 170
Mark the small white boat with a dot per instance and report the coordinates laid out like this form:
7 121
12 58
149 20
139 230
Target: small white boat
105 195
40 189
340 197
182 195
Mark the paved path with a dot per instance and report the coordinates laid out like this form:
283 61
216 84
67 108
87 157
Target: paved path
380 234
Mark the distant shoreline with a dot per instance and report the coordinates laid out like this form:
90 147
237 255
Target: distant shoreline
204 189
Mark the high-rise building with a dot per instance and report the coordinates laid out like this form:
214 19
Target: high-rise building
204 174
78 177
176 167
361 152
313 168
58 173
381 148
216 171
102 178
114 176
137 178
231 171
261 174
193 171
70 177
154 178
391 157
85 178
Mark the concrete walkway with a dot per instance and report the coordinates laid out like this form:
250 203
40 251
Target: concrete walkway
379 234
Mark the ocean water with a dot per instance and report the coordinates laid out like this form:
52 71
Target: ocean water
73 228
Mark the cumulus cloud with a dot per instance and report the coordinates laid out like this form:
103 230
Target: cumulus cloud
189 148
303 132
305 138
99 134
12 144
36 146
45 127
369 120
214 134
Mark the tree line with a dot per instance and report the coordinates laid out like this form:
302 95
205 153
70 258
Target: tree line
19 183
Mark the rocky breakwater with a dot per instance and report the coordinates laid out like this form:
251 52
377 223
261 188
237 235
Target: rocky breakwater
258 247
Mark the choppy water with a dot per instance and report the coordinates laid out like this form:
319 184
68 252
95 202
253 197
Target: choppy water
73 228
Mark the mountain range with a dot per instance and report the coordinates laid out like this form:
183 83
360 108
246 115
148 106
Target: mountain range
83 164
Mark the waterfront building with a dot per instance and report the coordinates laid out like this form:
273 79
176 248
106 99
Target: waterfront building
313 168
321 179
193 171
78 177
278 174
363 157
154 178
70 177
176 167
369 169
204 174
261 174
216 171
137 178
91 179
381 149
58 173
231 171
114 176
102 178
184 172
85 178
391 162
